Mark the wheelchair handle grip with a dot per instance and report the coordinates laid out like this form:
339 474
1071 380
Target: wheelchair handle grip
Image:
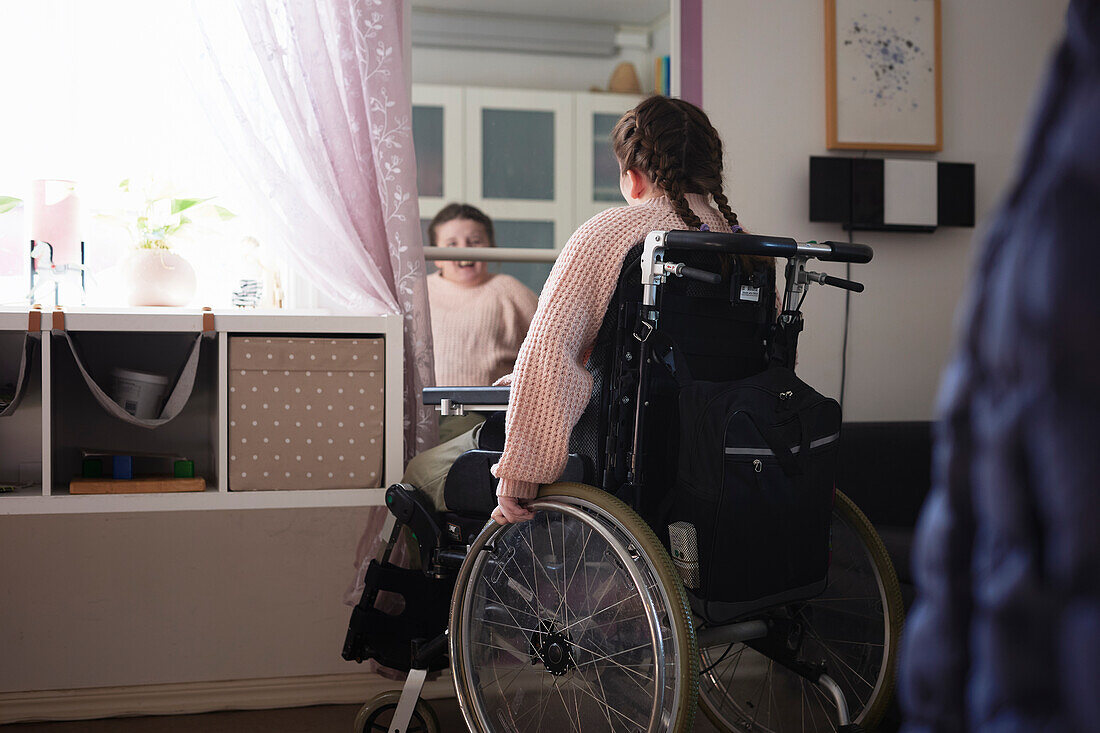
848 252
704 276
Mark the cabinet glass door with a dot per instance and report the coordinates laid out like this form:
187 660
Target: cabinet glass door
605 168
438 126
517 154
427 124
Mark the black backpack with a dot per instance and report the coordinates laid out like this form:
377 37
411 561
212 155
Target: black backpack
755 483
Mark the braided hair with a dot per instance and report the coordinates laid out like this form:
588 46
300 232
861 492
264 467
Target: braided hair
673 142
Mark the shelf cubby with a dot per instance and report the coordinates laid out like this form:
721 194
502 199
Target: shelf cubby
41 443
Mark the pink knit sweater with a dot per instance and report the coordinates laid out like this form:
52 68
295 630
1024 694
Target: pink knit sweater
477 330
550 386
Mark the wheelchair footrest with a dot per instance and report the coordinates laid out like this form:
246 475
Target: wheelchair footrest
389 637
373 634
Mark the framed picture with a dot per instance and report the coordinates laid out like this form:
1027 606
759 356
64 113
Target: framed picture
883 86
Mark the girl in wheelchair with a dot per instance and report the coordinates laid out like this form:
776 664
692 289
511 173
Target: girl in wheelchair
643 420
670 159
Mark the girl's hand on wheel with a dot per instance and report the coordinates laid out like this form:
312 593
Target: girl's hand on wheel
510 511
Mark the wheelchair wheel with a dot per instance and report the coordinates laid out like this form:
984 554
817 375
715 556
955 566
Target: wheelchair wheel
852 629
377 714
573 620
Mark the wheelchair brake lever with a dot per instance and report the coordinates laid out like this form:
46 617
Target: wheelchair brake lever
679 269
836 282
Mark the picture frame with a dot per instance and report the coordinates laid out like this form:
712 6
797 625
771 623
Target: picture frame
883 76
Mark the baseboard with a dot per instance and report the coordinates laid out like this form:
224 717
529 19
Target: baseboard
202 697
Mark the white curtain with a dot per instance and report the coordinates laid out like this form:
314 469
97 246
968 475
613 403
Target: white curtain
316 115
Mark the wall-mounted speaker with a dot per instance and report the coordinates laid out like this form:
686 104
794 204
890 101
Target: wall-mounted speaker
891 194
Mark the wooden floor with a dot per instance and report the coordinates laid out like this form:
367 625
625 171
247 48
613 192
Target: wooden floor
322 718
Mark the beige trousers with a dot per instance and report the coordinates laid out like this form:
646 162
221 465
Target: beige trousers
428 470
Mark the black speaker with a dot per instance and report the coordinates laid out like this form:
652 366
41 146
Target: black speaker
851 192
955 194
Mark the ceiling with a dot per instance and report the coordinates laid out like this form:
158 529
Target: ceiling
620 12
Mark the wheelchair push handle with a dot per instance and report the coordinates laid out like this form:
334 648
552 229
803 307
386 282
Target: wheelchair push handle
860 254
766 246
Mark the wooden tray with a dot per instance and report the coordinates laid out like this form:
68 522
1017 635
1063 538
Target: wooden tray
137 485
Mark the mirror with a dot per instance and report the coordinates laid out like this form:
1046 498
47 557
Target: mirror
513 106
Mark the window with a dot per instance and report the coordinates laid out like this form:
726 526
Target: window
98 93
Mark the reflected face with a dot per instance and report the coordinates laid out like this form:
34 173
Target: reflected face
462 233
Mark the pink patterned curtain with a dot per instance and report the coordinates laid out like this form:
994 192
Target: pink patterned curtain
315 112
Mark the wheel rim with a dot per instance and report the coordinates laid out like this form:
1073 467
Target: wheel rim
847 627
572 636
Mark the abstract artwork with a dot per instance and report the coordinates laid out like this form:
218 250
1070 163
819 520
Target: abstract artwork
882 66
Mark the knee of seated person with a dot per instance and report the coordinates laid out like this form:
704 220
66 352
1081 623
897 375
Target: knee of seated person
430 467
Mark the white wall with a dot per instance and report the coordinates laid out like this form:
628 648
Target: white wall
764 88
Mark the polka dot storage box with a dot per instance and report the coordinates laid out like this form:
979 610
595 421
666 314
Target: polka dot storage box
305 413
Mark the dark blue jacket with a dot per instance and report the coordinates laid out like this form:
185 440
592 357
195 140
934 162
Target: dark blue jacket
1005 634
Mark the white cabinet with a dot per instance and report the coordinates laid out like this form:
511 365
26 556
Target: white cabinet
538 162
40 443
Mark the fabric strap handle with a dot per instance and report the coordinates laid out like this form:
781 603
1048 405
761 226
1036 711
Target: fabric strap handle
181 391
30 342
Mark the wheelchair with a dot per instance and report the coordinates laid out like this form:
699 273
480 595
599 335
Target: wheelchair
579 619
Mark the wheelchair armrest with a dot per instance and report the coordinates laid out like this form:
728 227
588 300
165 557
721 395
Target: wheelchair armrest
459 400
467 395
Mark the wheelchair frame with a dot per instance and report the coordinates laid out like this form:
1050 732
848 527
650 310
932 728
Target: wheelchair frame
440 560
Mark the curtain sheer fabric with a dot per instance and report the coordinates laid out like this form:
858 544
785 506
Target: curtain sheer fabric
311 100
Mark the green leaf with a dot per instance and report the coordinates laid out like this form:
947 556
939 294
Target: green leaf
124 184
224 214
179 205
7 203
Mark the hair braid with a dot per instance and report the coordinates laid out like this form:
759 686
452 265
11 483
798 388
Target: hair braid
723 205
669 155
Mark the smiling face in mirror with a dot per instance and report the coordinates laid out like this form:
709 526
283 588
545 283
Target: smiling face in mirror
463 233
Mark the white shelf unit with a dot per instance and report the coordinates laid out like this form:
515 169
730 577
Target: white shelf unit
59 410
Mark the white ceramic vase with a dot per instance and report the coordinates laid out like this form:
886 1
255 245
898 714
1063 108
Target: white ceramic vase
159 277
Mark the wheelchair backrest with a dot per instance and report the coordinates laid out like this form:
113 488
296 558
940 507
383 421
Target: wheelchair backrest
716 333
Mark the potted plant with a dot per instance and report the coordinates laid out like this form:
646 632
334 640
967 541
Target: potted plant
155 274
